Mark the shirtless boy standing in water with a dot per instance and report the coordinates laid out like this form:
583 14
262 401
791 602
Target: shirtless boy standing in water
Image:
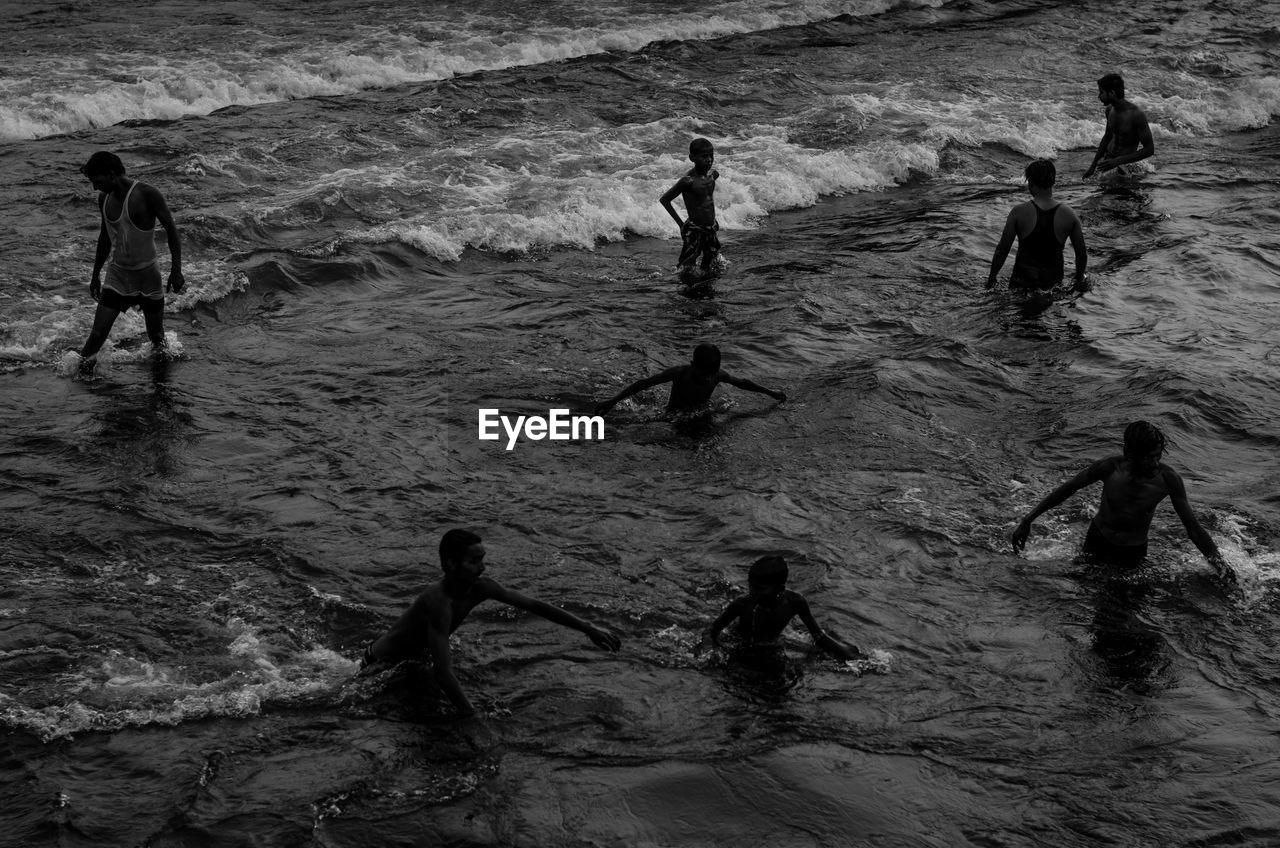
692 384
422 632
1042 226
697 188
1128 136
1133 485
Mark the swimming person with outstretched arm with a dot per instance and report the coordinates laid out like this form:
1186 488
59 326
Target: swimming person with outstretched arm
692 384
422 632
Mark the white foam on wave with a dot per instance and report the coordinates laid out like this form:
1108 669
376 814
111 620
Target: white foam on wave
1036 129
67 94
876 661
123 691
44 326
1210 107
580 188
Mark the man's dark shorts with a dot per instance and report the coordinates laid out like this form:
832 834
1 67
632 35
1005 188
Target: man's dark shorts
120 303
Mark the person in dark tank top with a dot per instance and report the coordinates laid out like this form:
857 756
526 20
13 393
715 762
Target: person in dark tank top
1041 226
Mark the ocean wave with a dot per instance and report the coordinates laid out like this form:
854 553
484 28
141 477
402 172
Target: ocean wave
64 96
504 208
122 691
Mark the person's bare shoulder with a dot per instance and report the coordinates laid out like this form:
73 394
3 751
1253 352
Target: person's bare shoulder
1170 477
1024 213
1105 467
430 599
488 589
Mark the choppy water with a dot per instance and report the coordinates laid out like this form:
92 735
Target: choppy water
397 214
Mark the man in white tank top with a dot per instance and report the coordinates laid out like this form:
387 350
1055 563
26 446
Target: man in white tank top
129 211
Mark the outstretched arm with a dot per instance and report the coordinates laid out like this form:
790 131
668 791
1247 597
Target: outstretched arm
1197 534
743 383
820 637
1095 472
601 637
638 386
1002 249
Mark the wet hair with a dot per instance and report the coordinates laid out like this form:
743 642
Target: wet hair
768 571
706 357
102 163
700 145
1112 82
454 544
1042 174
1141 438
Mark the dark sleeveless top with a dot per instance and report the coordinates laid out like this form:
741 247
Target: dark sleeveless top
1038 264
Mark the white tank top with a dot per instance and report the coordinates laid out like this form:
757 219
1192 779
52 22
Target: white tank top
132 246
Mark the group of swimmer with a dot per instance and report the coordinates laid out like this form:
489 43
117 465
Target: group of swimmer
1134 482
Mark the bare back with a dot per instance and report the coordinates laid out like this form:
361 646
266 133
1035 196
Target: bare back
1129 500
691 389
1127 125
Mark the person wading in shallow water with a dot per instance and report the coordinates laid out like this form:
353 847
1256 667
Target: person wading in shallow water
697 189
1042 226
765 611
1133 485
129 211
1127 138
422 632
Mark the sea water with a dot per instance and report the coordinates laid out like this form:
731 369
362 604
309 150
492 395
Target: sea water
396 214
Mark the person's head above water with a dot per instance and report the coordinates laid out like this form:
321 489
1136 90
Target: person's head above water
706 358
768 572
1113 83
102 164
1041 174
455 544
702 154
1143 439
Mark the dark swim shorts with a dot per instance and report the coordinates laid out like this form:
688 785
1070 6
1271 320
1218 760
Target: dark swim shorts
698 242
1105 551
121 303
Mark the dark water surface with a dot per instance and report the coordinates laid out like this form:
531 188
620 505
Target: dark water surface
395 216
